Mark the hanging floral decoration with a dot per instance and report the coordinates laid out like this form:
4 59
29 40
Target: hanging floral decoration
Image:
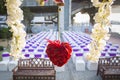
101 28
14 18
41 2
58 52
45 0
58 2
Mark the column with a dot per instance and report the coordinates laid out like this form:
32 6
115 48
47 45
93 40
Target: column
67 14
60 20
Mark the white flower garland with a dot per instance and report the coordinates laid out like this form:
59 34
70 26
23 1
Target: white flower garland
100 32
14 18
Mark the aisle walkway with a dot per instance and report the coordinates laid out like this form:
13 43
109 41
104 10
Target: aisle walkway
69 74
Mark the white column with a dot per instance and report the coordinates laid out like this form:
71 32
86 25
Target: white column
67 14
60 19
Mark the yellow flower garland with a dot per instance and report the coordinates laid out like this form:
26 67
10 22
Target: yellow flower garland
14 18
100 32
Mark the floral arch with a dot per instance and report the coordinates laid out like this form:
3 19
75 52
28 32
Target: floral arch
99 32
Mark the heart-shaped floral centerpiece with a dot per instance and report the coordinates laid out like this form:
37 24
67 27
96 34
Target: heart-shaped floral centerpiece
58 52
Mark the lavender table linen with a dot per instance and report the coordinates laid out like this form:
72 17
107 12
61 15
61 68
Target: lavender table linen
5 55
37 55
46 56
26 46
74 50
27 55
40 50
112 54
79 54
30 50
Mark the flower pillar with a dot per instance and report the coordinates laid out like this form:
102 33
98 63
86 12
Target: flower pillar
14 18
100 31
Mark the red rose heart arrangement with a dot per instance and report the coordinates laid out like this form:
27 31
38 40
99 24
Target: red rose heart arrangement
58 52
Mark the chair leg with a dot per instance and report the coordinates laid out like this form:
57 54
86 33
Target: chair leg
14 77
103 77
97 72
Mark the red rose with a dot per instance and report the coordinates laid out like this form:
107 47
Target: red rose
59 53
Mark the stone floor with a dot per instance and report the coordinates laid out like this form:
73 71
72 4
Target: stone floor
69 74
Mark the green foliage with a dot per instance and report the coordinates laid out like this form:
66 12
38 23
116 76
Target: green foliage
5 33
1 48
3 10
